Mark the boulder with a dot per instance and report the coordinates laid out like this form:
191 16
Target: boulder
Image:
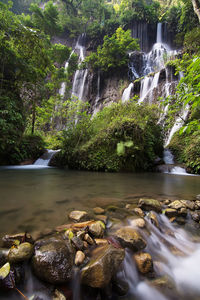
20 253
195 216
77 215
189 204
144 262
53 260
150 204
129 237
79 258
103 264
88 239
177 204
97 229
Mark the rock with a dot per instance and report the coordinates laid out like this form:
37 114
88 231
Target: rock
98 210
189 204
77 215
58 295
78 243
129 237
80 234
103 218
170 212
198 197
79 258
20 253
195 216
88 239
53 260
103 264
139 212
101 242
97 229
130 206
7 277
9 240
176 205
197 204
140 223
182 212
167 202
153 218
85 245
144 262
150 204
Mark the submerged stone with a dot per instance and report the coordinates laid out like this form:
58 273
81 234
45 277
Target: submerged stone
129 237
139 212
139 222
77 215
98 210
103 264
20 253
53 260
150 204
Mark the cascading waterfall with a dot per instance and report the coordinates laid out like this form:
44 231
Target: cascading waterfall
127 92
80 75
168 158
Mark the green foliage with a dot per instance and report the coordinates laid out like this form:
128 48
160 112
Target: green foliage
113 53
45 19
192 41
120 137
186 148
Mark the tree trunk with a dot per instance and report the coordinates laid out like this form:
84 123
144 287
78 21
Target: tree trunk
196 7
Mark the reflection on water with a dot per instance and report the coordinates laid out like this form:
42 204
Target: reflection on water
34 199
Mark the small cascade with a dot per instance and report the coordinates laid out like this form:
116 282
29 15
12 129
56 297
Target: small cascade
175 256
80 75
45 158
171 167
127 92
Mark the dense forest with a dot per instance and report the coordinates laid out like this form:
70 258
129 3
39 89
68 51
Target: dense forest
36 40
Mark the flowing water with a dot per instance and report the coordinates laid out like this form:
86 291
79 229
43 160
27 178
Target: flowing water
37 199
80 75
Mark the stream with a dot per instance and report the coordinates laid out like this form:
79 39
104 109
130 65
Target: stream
39 199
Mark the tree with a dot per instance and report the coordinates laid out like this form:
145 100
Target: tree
113 53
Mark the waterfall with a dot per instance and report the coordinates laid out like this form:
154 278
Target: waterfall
127 92
63 84
179 122
45 158
80 75
159 33
98 94
168 158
